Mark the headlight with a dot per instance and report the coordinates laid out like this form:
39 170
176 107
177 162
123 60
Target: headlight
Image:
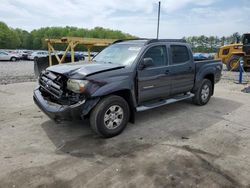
77 86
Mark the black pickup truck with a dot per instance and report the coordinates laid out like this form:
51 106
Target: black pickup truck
124 78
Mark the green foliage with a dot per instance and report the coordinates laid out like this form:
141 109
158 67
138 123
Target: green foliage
18 38
210 44
8 37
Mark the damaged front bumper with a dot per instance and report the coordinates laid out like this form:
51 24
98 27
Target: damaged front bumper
59 112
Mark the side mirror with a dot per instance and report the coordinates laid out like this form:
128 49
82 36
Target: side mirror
146 62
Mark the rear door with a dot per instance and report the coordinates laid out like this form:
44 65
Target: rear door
182 69
153 81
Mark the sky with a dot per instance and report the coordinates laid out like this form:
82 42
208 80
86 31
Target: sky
138 17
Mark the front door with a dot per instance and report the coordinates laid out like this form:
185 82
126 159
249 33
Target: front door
153 81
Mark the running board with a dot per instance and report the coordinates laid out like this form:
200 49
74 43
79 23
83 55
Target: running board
164 102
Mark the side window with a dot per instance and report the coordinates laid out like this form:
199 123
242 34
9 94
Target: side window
179 54
246 39
158 55
225 51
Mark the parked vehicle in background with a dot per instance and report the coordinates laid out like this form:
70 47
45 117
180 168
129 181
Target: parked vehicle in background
6 56
37 54
24 54
78 56
124 78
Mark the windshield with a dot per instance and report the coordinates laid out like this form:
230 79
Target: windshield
123 54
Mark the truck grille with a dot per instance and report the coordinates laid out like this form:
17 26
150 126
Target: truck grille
53 88
51 83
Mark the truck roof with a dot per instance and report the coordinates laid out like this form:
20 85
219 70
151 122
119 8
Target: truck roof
149 41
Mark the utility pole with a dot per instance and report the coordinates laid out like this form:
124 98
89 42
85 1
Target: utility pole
159 11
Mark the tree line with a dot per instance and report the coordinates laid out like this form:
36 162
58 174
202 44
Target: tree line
35 40
11 38
211 44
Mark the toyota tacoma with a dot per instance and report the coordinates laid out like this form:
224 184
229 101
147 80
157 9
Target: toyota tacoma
124 78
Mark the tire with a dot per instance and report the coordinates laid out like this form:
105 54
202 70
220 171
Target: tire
13 59
35 59
231 63
116 111
203 93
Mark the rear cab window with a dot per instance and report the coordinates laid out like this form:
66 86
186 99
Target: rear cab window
179 54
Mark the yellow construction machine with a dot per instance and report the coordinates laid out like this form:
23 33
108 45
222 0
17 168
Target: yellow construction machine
231 54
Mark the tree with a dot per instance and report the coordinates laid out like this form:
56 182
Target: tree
8 37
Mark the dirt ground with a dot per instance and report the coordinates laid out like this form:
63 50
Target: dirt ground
179 145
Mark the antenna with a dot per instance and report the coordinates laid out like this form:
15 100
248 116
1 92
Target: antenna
159 11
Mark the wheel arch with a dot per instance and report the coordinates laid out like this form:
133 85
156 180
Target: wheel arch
127 96
206 74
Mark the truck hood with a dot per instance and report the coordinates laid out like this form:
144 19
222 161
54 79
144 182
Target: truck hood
84 69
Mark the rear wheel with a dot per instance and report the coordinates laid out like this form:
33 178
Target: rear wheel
110 116
203 93
233 64
13 59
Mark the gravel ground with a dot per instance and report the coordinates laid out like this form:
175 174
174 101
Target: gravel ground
16 72
178 145
234 76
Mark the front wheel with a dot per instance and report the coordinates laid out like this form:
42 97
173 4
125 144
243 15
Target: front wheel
110 116
203 93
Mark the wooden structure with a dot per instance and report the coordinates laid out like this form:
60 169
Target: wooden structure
72 42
